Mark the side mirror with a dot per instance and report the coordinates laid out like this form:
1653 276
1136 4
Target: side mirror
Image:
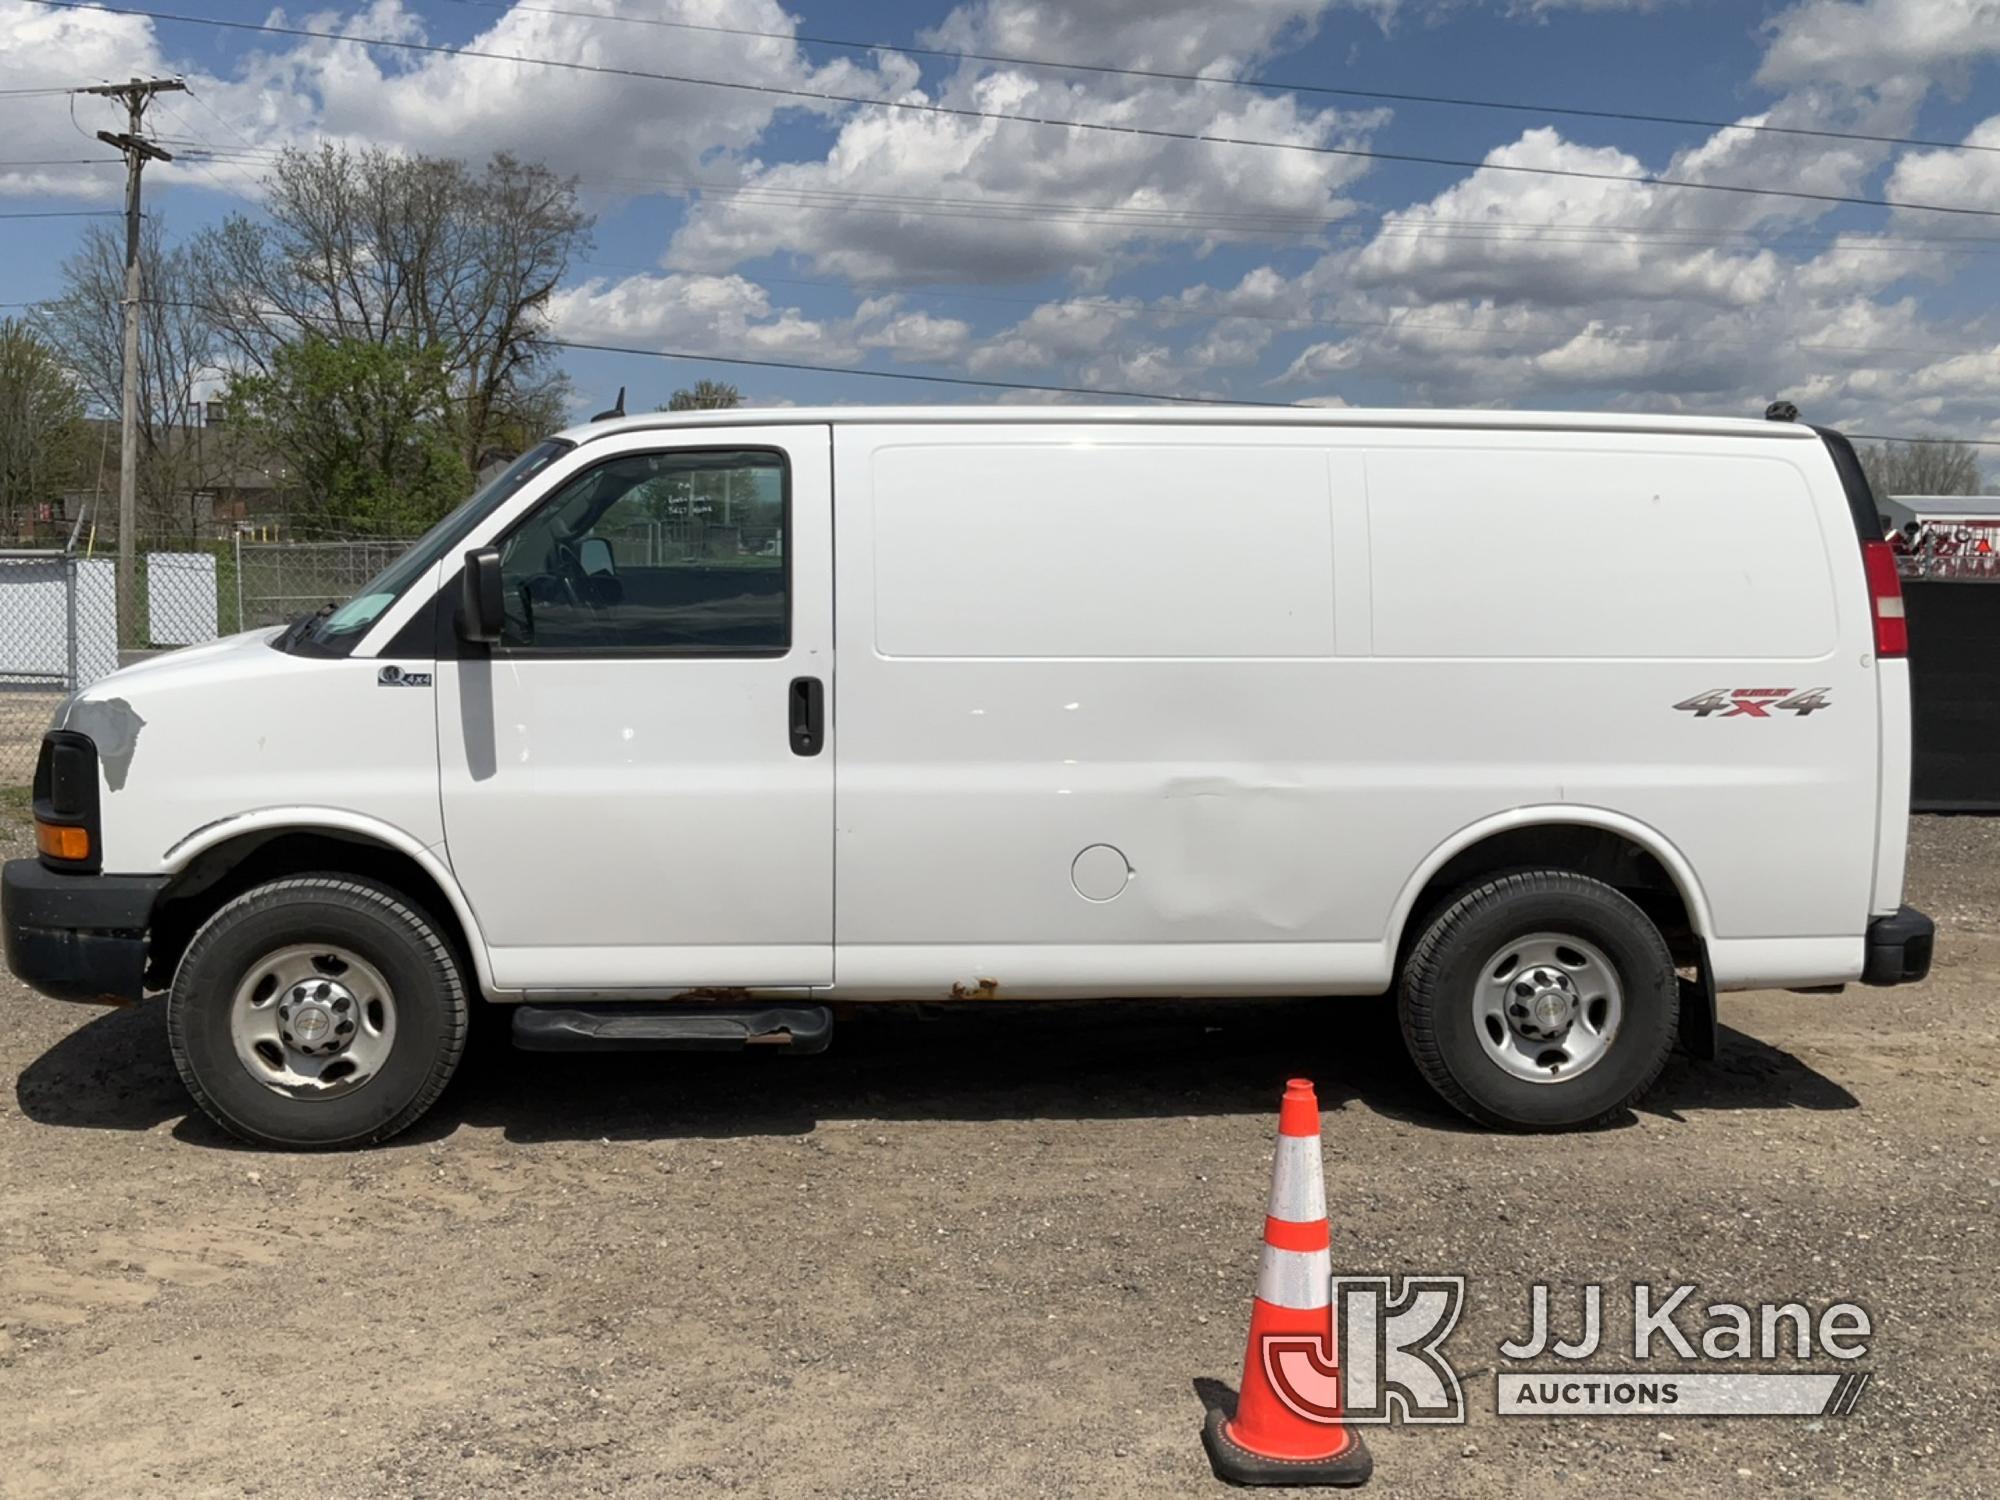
593 555
480 613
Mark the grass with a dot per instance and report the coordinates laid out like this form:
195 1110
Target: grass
16 806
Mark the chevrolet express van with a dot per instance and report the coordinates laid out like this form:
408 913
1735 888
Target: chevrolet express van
686 726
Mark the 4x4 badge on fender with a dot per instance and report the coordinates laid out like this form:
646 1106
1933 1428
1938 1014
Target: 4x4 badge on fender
1754 703
397 677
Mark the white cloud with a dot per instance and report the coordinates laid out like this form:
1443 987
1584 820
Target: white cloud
40 47
697 314
1967 178
577 121
1181 36
1556 240
918 196
1054 333
1868 42
1544 7
641 132
931 197
1231 343
915 337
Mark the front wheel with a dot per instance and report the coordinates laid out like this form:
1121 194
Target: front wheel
317 1012
1540 1001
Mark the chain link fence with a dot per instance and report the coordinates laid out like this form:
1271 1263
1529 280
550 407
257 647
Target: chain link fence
59 614
58 632
278 581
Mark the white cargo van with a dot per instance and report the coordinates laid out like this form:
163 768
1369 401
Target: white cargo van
688 725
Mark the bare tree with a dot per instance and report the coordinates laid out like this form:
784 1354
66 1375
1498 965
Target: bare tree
41 421
704 395
385 249
180 356
1939 468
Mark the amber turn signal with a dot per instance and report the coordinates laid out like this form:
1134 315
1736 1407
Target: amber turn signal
62 842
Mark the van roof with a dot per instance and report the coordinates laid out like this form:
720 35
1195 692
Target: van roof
1207 416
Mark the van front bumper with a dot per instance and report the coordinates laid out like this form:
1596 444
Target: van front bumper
1899 948
77 937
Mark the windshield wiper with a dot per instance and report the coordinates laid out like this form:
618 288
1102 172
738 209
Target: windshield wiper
296 631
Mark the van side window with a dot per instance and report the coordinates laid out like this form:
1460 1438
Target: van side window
668 552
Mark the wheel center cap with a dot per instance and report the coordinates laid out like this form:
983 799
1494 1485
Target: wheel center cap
317 1016
1551 1008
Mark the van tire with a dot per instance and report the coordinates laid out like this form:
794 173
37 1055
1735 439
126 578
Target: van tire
1444 970
385 933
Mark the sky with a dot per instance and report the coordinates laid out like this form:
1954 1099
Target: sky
766 226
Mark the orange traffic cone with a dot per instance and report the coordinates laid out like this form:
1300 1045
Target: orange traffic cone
1287 1427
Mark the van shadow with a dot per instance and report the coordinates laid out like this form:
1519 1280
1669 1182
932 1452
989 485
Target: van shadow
965 1061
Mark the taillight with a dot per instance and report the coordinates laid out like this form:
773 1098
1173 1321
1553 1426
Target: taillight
1885 599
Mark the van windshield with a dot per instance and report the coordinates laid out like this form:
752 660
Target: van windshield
336 628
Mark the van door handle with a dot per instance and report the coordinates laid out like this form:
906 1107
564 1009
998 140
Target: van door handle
808 698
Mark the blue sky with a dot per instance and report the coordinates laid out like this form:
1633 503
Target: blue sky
866 239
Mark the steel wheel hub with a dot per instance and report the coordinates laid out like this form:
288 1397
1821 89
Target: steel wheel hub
1547 1006
312 1020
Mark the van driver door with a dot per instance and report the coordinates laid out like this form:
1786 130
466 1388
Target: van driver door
637 778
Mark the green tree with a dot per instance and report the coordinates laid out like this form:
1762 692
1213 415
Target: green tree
383 248
41 422
365 428
704 395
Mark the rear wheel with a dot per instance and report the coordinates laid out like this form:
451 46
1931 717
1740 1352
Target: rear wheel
317 1012
1540 1001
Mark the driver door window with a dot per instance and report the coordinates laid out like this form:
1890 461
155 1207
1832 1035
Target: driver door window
674 552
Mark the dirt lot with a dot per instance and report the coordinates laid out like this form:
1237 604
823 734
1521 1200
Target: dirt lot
1001 1251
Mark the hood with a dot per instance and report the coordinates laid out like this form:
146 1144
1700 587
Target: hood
197 688
228 656
183 659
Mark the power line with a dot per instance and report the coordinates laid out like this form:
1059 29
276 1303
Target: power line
828 96
1413 323
1261 225
995 385
1067 390
81 213
1411 326
785 364
1160 75
1876 437
959 380
243 172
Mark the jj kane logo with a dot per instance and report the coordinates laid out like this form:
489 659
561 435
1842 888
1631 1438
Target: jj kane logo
1734 1347
1386 1361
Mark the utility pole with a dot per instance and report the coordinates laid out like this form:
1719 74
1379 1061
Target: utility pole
137 152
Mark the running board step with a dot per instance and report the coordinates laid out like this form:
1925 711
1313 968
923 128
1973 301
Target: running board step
671 1028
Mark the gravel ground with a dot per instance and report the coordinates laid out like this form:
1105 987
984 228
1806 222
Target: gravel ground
997 1250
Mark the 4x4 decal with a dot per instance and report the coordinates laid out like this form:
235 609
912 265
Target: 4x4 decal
1755 703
